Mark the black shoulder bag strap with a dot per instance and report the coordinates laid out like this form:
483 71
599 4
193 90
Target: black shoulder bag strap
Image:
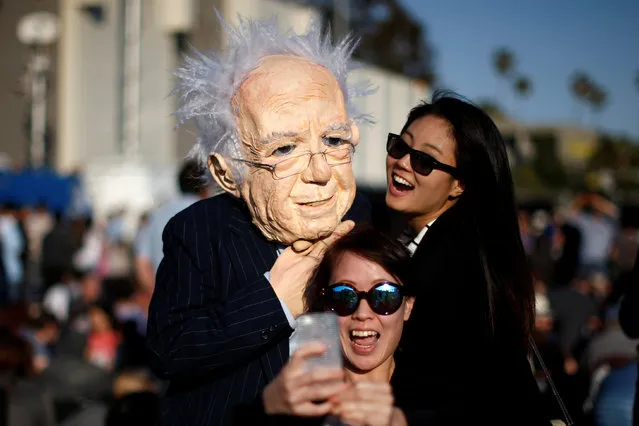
562 406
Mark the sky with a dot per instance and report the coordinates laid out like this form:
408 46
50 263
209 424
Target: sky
551 39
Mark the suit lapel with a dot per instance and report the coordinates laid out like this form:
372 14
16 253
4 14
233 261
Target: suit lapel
251 255
447 222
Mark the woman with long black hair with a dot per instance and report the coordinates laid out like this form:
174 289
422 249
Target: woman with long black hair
463 358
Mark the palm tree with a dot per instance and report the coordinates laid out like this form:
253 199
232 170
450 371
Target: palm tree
597 99
523 89
504 63
580 86
523 86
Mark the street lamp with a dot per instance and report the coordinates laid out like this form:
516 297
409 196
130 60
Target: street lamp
38 30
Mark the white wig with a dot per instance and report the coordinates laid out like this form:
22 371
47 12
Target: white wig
206 83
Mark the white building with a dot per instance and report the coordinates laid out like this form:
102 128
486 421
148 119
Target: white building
129 159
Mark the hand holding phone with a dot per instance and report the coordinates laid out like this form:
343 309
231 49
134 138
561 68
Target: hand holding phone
314 372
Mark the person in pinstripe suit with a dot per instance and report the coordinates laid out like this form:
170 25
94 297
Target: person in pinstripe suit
278 129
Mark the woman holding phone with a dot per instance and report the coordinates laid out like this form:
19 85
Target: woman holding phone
449 177
362 279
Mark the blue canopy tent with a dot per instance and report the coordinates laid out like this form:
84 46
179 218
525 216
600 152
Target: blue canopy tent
33 187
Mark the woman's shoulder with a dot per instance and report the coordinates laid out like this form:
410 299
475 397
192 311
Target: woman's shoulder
447 242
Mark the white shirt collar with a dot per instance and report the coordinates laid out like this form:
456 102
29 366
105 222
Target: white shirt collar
414 243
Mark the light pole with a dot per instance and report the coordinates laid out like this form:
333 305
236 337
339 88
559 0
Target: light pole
38 31
131 72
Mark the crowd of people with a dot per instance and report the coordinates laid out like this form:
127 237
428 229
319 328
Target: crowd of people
454 305
73 321
582 257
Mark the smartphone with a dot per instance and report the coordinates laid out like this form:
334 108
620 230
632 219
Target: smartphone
320 327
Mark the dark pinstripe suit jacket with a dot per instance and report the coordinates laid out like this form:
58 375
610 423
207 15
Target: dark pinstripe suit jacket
216 329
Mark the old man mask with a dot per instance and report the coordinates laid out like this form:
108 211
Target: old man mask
277 126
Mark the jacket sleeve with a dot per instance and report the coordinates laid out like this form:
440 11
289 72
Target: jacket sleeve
192 332
361 209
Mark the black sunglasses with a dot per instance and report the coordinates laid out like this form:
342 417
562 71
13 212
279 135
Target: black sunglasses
421 162
384 298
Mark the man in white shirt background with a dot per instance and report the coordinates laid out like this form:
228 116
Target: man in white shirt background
148 244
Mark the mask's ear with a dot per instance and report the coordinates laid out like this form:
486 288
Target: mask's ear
354 133
222 174
457 190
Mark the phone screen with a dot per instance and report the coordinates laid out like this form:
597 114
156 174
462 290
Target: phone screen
320 327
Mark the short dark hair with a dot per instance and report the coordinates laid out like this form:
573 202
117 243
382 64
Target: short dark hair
16 355
190 178
366 242
43 320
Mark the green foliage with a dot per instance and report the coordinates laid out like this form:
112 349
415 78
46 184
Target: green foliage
587 91
389 37
614 152
504 61
525 177
523 86
547 163
621 155
606 156
491 107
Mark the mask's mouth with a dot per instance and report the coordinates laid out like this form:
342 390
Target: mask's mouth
317 203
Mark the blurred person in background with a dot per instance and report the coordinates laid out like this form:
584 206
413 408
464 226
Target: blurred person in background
114 231
24 400
13 246
567 247
58 248
553 358
625 248
597 221
141 232
131 311
449 176
21 213
120 409
42 333
527 237
4 282
37 224
117 261
72 295
148 244
611 360
103 338
622 258
629 322
79 202
542 257
575 314
92 246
